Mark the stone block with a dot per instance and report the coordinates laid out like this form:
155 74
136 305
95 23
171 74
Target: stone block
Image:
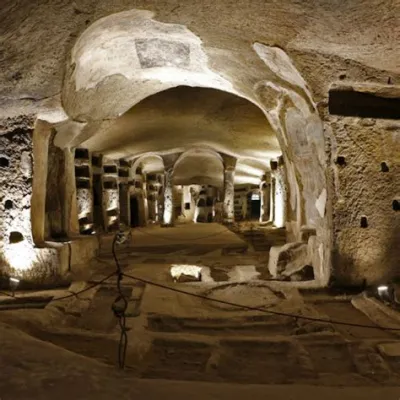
389 349
290 258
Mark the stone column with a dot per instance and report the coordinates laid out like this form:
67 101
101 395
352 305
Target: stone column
168 217
229 194
265 199
280 194
70 216
41 137
124 204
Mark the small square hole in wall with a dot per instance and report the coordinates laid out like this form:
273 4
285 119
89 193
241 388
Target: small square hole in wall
110 169
8 205
187 206
364 222
124 163
384 167
82 171
4 162
82 154
110 185
396 205
274 165
123 173
82 184
340 160
97 160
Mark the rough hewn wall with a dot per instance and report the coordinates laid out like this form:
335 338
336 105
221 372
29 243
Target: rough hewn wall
16 165
366 227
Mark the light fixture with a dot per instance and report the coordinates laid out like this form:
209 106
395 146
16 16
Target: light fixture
385 293
383 289
14 282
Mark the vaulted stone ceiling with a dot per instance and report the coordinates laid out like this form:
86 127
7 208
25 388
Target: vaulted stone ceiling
322 37
182 118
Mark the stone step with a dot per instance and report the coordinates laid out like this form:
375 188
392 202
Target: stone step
265 360
248 325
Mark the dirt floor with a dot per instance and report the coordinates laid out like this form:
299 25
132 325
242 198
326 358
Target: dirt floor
180 345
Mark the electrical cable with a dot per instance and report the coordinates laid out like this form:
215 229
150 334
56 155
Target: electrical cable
250 308
76 294
73 294
120 305
7 294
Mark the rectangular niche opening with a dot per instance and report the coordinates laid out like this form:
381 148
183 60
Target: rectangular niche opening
123 173
347 101
110 169
187 206
83 184
110 185
82 171
124 163
97 160
138 185
82 154
84 221
151 177
112 213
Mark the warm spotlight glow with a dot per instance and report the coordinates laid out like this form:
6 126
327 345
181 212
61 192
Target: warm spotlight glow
167 217
14 282
21 256
196 214
383 289
255 196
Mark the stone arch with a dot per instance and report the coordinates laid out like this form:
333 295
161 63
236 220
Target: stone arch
129 56
148 203
154 161
210 164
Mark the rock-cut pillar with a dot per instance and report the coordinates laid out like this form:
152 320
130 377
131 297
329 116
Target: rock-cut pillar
168 217
229 194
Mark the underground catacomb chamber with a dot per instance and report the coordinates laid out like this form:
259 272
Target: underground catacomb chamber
154 128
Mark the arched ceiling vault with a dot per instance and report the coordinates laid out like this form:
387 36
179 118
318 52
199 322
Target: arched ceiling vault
124 68
181 118
200 167
126 57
